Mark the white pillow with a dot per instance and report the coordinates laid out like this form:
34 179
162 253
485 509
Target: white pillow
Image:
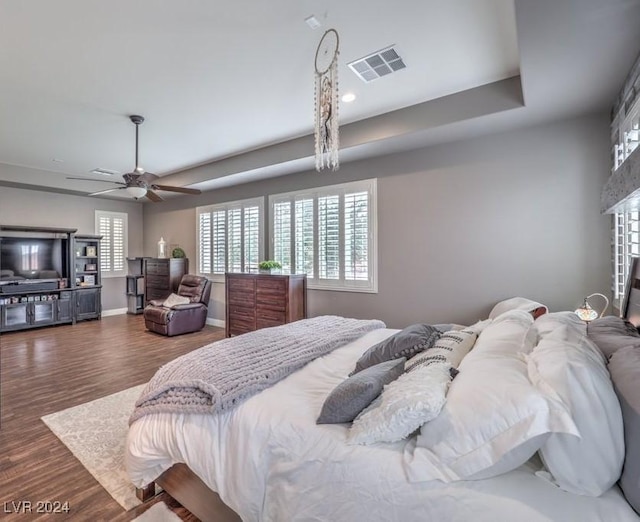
403 406
565 362
415 397
175 299
494 419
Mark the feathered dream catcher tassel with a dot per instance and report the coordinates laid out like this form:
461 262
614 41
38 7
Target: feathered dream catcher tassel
326 101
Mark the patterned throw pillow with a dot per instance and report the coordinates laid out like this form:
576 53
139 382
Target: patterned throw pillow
406 343
449 349
415 397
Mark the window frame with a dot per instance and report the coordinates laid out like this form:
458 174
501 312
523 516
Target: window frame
108 251
226 207
341 284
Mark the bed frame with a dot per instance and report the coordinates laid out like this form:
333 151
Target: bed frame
187 488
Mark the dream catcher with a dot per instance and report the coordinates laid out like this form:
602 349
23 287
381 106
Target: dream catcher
326 101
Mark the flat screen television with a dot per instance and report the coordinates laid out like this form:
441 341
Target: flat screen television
27 259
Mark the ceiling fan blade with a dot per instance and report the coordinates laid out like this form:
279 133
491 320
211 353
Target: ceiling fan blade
105 191
182 190
153 196
148 177
101 180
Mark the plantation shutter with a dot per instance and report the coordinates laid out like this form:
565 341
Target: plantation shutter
251 230
205 240
112 226
328 234
104 230
304 237
329 237
626 245
219 242
356 236
282 234
234 240
229 237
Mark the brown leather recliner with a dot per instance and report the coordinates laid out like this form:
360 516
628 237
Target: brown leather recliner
181 318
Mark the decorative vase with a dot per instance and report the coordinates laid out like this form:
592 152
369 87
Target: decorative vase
162 248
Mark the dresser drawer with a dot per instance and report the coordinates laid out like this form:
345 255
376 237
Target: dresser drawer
242 299
156 293
266 323
270 315
242 313
157 268
156 281
271 302
241 284
271 285
239 325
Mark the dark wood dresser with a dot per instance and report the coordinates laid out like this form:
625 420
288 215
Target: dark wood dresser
162 276
257 301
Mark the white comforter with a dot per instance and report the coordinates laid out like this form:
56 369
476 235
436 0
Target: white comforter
269 461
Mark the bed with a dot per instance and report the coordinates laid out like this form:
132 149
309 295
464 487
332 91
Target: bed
268 460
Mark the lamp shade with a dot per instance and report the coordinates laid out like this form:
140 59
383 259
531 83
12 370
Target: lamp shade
586 311
137 192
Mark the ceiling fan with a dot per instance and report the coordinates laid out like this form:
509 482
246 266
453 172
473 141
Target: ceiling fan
140 183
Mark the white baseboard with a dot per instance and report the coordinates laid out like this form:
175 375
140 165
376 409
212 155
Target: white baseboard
115 311
215 322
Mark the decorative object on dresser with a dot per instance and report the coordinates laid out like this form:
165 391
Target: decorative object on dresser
178 253
162 277
255 301
268 266
182 313
162 248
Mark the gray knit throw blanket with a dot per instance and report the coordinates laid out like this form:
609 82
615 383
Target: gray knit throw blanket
220 376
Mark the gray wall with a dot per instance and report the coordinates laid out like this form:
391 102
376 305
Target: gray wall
461 226
35 208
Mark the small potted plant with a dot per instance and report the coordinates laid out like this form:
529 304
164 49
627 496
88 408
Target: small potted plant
268 266
177 252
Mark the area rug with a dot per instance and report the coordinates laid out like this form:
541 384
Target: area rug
159 512
95 433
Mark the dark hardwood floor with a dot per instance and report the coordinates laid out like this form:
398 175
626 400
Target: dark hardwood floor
49 369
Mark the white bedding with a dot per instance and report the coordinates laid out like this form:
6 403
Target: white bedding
269 461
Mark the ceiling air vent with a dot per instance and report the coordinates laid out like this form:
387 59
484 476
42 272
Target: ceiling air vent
378 64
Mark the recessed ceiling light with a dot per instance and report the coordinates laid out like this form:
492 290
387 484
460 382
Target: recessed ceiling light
348 97
104 172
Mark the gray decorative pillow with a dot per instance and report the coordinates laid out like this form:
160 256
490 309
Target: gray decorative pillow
406 343
611 333
354 394
624 367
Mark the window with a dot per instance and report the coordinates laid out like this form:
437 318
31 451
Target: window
626 245
230 237
329 234
112 226
626 225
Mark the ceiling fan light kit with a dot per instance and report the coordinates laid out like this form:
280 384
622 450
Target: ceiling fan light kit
139 183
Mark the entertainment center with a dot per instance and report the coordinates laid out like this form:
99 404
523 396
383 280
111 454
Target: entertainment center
48 276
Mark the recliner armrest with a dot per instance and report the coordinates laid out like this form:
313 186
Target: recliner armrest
187 306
